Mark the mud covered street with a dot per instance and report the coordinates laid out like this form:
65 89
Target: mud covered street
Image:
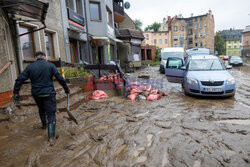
176 130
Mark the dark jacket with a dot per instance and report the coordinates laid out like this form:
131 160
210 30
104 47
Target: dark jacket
41 75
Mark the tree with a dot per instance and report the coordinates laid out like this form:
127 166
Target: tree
219 44
155 27
138 24
158 53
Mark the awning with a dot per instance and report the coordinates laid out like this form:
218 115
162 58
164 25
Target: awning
116 40
100 38
30 8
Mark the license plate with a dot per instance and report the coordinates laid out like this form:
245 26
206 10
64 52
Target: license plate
212 90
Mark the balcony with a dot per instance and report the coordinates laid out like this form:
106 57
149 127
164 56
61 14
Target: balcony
119 15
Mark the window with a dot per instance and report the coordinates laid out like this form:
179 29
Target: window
190 31
235 46
166 41
229 47
159 34
205 25
196 44
182 28
160 41
229 42
69 4
154 34
27 42
95 11
49 44
201 44
166 33
79 7
200 26
229 52
175 37
195 26
205 33
200 18
109 17
155 41
195 19
175 28
195 36
146 36
201 34
190 40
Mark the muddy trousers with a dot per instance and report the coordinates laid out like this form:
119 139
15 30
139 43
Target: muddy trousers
47 108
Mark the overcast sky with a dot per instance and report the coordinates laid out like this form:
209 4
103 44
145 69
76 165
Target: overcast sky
227 13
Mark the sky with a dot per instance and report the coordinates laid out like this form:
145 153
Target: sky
227 13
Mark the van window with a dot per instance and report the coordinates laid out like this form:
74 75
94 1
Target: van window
166 55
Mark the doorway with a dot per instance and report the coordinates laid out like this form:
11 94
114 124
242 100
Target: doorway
100 55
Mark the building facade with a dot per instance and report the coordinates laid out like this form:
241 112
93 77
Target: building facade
24 33
233 39
191 32
161 39
246 41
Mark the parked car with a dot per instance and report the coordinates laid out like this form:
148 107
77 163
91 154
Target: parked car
203 75
225 57
170 52
197 51
235 60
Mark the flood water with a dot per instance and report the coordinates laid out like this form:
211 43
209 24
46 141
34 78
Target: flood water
176 130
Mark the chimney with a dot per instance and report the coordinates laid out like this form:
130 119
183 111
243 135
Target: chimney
230 29
164 20
169 23
210 11
192 15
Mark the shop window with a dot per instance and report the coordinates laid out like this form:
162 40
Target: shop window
95 11
201 44
196 44
109 17
49 44
27 42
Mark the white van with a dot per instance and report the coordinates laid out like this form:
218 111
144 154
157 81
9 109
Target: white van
177 52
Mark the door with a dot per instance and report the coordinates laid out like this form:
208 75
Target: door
173 70
100 55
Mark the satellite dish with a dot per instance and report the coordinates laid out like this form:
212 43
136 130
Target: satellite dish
127 5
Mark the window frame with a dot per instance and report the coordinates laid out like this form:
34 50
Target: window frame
30 28
53 44
99 10
109 14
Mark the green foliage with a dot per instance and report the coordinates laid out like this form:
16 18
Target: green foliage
75 72
155 27
219 44
158 53
138 24
154 63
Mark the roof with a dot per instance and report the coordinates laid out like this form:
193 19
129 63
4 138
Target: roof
203 57
231 35
176 49
247 29
130 33
29 8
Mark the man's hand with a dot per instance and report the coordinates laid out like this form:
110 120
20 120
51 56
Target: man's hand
16 98
67 91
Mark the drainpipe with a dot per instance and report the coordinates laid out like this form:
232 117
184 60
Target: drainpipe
18 47
87 31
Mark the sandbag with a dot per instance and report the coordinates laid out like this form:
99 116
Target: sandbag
99 94
153 97
132 97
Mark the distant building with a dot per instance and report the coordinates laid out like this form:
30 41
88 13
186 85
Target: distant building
233 40
191 32
246 41
161 39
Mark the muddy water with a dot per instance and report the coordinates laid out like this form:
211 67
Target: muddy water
174 131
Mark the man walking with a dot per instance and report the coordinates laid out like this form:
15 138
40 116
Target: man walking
41 74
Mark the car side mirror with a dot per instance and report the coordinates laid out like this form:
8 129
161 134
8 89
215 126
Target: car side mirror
183 68
229 67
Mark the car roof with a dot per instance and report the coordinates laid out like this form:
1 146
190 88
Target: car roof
178 49
203 57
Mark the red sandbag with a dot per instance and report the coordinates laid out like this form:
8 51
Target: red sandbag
153 97
133 91
103 78
154 91
132 97
164 94
99 94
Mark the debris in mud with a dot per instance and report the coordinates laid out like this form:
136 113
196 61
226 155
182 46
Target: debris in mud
99 94
144 76
143 92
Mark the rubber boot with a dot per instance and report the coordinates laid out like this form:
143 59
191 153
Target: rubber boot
44 122
51 133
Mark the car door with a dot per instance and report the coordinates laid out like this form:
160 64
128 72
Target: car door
173 70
